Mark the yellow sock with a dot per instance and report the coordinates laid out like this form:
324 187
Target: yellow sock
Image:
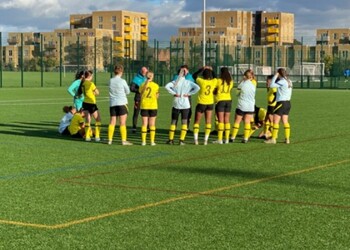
252 130
195 131
235 129
287 130
143 134
152 132
172 131
97 129
207 131
247 131
110 132
183 132
216 124
266 127
275 131
123 133
87 131
221 128
227 131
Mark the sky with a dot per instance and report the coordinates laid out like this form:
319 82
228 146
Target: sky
166 16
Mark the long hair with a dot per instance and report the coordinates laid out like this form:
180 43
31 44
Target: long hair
225 76
283 73
79 74
207 74
87 73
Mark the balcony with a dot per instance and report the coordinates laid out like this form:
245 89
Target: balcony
144 38
273 21
273 30
118 39
144 30
13 41
127 37
144 22
127 21
127 29
272 39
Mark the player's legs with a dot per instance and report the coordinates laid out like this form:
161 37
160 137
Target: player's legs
144 129
152 129
208 115
111 128
221 125
235 128
135 115
97 118
286 128
198 117
247 127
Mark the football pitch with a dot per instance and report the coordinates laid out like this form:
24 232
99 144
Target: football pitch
60 193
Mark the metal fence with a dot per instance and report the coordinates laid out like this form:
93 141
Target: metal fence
42 62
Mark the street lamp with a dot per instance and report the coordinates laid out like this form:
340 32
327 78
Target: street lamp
204 31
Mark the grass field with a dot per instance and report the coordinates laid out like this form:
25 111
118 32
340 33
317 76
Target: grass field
58 193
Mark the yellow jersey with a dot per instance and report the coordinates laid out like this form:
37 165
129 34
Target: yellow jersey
88 90
271 97
254 82
205 94
259 116
75 124
149 95
223 91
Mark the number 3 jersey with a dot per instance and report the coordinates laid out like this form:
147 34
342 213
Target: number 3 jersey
205 95
149 95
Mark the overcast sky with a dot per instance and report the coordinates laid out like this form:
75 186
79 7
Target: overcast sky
167 15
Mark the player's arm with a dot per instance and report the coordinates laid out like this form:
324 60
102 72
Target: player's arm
170 88
71 89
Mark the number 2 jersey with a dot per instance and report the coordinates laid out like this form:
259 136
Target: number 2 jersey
205 94
149 95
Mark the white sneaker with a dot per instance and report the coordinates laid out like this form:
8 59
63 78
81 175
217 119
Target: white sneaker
287 141
143 144
97 139
126 143
195 142
153 144
217 142
270 141
205 142
109 142
227 142
87 139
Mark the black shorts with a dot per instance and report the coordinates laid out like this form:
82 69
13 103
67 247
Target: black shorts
65 131
201 108
91 108
118 110
223 106
175 113
270 110
77 135
282 108
149 112
242 113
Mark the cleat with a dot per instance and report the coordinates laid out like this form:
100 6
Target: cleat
270 141
143 144
97 139
226 141
232 140
88 139
217 142
170 142
153 144
182 143
205 142
126 143
195 142
244 141
109 142
287 141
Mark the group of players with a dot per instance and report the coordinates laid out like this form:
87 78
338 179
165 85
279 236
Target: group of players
212 90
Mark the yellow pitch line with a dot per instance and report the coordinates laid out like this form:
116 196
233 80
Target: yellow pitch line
170 200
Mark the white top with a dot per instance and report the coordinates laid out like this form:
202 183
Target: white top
65 121
118 89
182 87
284 89
246 98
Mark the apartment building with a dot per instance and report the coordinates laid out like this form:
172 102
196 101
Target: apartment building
333 36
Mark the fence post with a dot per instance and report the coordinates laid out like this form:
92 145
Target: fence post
22 50
111 58
42 59
61 61
301 64
95 60
1 58
321 82
78 53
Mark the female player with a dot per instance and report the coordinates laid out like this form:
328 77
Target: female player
89 90
223 105
271 104
205 101
73 90
149 91
118 89
182 90
284 93
245 106
76 127
66 119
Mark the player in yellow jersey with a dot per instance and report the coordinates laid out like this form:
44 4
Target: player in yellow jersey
223 104
271 104
149 91
76 127
258 121
89 90
205 102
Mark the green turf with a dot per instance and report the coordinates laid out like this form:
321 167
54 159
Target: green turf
48 179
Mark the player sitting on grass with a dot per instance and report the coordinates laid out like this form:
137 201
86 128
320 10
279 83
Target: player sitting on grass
66 119
76 127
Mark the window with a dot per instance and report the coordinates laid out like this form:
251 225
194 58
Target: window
114 18
114 27
26 52
212 20
265 20
100 19
335 36
184 33
257 54
231 20
100 26
10 52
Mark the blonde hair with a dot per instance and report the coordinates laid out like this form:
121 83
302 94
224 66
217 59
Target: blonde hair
150 75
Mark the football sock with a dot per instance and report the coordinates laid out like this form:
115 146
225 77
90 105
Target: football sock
87 131
123 133
275 131
227 131
183 132
235 129
207 131
221 128
110 132
172 131
97 129
195 131
143 133
287 130
247 131
152 132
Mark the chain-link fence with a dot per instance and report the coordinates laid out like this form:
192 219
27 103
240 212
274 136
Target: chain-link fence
40 61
